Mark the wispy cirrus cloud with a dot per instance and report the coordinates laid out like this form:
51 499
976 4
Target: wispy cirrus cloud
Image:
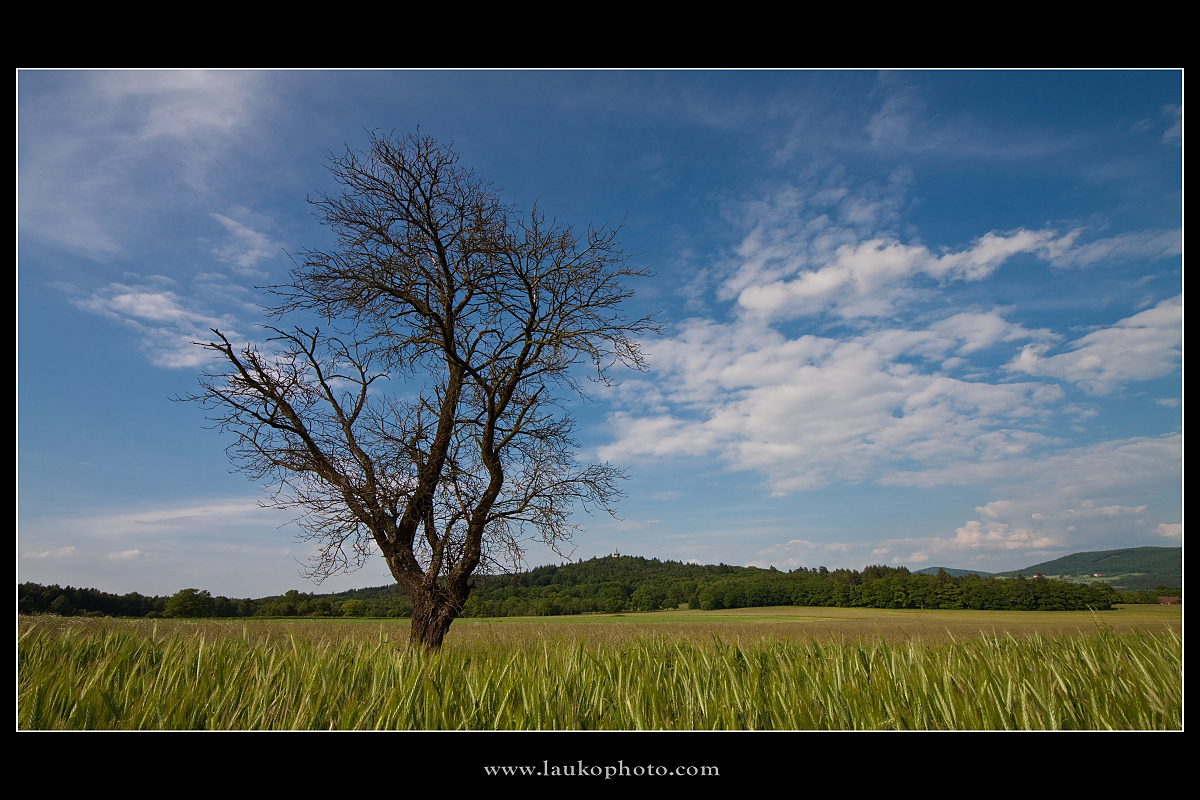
102 153
216 543
1134 246
126 555
905 122
58 552
1174 115
245 246
165 323
154 521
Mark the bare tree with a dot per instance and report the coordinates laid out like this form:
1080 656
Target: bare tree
427 423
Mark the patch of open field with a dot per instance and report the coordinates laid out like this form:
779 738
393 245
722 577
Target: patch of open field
806 623
769 669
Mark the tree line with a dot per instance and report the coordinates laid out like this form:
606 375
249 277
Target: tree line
616 584
383 601
629 584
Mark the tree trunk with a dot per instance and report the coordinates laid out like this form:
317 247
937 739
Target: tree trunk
430 621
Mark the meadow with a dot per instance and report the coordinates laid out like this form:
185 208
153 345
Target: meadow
750 669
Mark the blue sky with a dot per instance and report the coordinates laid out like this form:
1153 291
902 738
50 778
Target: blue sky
919 318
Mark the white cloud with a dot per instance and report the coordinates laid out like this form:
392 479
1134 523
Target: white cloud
1009 524
658 436
999 535
1171 530
126 555
245 246
1134 246
177 518
802 227
165 324
61 552
893 124
1109 468
1174 115
806 553
1069 501
1144 346
870 278
808 411
917 400
904 123
230 546
101 153
980 330
824 248
182 105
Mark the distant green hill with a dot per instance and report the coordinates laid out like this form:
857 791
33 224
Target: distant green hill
1132 569
620 583
952 572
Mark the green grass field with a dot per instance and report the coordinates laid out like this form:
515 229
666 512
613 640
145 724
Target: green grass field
770 669
893 625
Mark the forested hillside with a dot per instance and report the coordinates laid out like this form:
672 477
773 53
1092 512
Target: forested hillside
1132 568
614 584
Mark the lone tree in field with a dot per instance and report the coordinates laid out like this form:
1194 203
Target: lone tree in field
427 421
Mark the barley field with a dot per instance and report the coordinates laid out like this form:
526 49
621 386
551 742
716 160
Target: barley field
759 669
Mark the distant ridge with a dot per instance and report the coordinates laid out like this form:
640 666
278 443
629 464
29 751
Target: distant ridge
953 573
1132 568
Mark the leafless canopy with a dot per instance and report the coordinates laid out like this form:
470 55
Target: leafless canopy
428 421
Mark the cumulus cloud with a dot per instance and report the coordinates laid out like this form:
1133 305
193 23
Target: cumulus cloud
800 552
878 381
824 248
869 278
999 535
1048 528
1010 525
1170 530
1042 506
802 227
1067 501
1144 346
975 330
811 410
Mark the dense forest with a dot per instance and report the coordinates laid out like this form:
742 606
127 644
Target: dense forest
615 584
633 584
